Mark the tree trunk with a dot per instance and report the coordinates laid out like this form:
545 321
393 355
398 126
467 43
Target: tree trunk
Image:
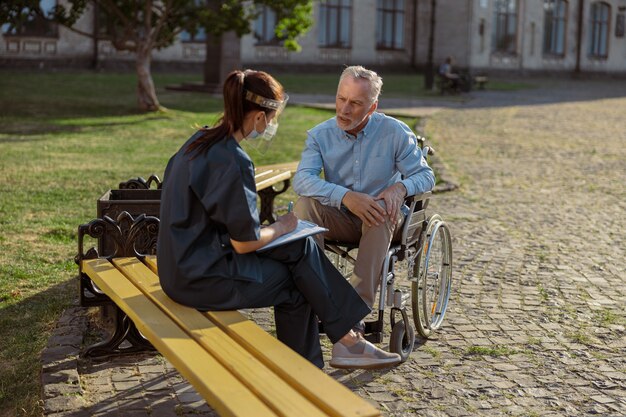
429 76
213 61
223 54
146 93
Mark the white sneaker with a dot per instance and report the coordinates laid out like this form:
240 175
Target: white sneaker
362 355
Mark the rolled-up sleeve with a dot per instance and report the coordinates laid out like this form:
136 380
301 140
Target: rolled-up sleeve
418 177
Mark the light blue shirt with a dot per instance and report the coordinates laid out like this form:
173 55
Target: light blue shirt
383 153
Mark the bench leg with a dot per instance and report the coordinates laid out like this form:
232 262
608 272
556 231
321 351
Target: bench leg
124 339
267 202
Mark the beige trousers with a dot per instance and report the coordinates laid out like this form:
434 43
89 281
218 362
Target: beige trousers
344 226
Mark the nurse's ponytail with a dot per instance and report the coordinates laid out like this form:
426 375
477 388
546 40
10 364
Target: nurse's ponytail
236 106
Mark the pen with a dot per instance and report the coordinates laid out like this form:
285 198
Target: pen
290 207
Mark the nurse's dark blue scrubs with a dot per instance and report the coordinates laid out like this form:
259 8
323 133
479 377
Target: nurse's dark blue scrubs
209 198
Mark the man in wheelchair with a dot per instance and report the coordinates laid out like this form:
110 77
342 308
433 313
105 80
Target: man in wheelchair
371 162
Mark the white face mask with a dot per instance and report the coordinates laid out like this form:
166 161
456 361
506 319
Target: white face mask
270 131
254 134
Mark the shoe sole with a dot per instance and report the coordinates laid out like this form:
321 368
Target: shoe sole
352 364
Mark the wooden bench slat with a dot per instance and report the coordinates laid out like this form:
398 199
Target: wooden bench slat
289 166
268 178
330 395
271 388
227 395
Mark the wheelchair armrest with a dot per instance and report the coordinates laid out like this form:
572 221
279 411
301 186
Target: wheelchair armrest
418 201
414 220
418 197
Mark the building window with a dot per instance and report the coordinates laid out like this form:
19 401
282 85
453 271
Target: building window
505 26
265 26
335 23
390 24
600 18
35 25
198 36
555 19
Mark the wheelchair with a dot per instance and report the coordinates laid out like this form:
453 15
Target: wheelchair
425 245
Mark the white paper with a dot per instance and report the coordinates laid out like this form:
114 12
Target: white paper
302 230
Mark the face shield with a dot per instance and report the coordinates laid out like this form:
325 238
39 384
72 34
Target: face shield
262 141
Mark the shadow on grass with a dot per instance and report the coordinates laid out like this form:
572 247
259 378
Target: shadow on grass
51 125
36 129
25 326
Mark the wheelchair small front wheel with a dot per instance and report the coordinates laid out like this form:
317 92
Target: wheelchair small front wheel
433 277
402 339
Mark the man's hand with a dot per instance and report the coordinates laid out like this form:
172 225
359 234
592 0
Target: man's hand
394 198
365 207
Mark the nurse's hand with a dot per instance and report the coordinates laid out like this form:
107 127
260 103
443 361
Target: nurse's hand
286 223
282 225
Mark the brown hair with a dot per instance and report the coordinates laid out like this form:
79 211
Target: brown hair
236 106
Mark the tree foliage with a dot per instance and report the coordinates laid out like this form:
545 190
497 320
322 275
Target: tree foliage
140 26
129 20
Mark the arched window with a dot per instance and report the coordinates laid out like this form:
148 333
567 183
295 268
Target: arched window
505 26
335 23
390 24
600 17
555 24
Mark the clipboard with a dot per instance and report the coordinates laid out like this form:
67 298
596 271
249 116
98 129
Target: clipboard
303 229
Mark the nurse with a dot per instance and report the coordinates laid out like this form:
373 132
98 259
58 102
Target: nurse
210 232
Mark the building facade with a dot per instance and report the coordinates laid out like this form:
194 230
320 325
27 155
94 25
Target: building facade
482 35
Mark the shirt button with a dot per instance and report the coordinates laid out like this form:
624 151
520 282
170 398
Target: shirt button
356 162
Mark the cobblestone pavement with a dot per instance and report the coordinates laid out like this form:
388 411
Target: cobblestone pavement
536 323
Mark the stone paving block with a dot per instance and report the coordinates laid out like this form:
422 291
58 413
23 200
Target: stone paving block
131 376
603 399
189 397
156 384
63 403
125 385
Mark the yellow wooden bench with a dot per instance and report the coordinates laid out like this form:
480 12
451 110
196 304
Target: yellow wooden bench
266 178
237 367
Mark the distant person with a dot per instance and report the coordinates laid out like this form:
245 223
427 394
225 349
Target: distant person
210 232
371 163
446 73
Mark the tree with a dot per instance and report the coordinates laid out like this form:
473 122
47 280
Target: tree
140 26
429 76
294 18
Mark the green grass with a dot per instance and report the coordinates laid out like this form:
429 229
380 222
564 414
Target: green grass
65 139
394 85
494 351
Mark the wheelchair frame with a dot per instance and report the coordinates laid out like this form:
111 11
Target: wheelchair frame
426 245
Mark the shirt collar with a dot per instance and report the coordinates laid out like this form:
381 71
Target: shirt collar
369 127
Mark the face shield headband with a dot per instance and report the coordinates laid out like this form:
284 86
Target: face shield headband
268 103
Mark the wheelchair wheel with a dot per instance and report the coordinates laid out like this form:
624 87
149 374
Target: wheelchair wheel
433 277
402 339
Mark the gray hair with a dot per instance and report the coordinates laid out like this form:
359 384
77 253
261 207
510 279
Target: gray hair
359 72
